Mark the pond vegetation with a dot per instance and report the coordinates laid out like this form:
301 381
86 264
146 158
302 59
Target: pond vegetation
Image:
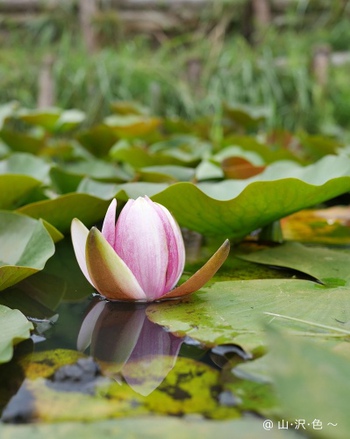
264 343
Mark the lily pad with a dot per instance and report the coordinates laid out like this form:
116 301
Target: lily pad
246 116
132 125
331 267
98 139
26 164
60 211
235 311
14 189
14 327
22 142
45 118
53 119
25 247
323 377
98 169
235 208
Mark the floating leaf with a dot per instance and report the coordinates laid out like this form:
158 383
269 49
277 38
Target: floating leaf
98 169
22 142
139 157
322 375
246 116
253 150
6 111
64 181
45 118
235 208
26 164
14 189
129 107
239 168
207 170
331 267
166 173
132 125
98 139
318 146
60 211
233 311
25 246
68 120
55 234
14 327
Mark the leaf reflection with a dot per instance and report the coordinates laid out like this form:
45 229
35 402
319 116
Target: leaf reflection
140 351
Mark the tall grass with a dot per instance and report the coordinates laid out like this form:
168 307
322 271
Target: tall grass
275 74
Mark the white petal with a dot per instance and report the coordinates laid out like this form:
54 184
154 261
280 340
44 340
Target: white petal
79 234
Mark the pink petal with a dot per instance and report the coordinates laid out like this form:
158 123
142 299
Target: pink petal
203 275
108 226
142 244
176 247
109 273
79 235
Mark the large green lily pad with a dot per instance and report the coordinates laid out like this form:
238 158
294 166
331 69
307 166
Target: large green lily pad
25 247
323 377
60 211
26 164
14 189
235 311
235 208
14 327
331 267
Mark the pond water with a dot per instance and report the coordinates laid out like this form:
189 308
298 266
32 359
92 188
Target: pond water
108 355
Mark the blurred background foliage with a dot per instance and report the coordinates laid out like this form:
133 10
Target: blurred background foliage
189 66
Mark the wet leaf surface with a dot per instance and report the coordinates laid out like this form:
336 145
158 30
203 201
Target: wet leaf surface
235 311
323 376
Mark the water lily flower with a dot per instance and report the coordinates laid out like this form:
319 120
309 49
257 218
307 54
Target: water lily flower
141 256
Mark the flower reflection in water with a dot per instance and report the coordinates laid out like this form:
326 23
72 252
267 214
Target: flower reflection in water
142 352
